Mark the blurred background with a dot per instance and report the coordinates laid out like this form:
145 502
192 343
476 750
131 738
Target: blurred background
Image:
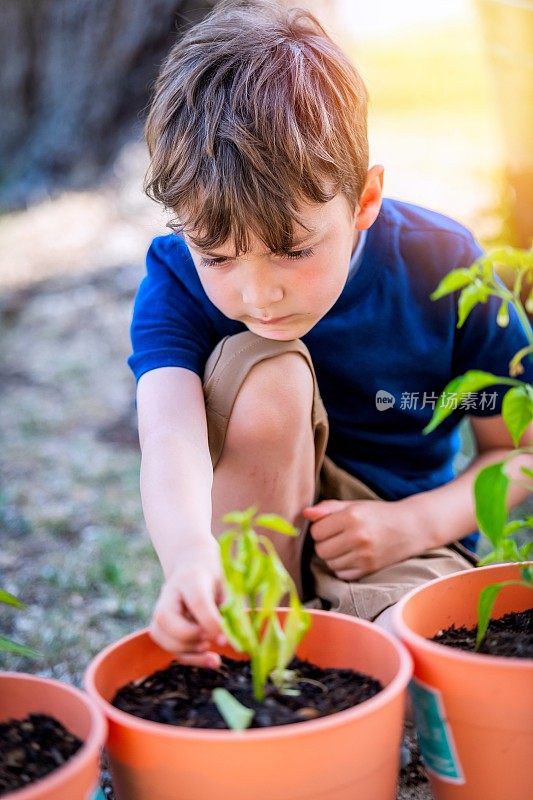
451 118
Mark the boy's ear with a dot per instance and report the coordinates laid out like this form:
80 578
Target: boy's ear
370 200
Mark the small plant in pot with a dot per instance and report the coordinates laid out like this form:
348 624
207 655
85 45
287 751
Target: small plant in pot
50 734
471 633
306 704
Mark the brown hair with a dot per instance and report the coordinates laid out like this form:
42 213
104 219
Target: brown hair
255 110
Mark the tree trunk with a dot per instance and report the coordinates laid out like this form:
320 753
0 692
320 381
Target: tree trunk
74 82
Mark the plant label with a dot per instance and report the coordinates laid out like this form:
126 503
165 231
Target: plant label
435 736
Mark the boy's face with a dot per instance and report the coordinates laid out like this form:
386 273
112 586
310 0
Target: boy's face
282 296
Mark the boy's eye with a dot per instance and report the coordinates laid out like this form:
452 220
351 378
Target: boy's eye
213 262
292 255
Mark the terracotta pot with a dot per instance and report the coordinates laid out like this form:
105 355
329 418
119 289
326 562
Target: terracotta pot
474 712
353 753
78 779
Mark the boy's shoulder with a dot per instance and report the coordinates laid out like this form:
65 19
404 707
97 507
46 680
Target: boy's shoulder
421 236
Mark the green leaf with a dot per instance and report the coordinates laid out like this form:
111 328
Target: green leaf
517 412
528 473
487 598
456 279
237 716
517 525
240 517
10 600
275 523
527 574
525 551
265 659
490 493
297 623
8 646
471 381
469 298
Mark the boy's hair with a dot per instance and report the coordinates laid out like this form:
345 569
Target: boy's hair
255 110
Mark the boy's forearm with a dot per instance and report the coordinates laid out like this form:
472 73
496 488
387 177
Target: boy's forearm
445 514
176 481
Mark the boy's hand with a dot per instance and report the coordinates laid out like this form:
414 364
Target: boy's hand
362 536
186 616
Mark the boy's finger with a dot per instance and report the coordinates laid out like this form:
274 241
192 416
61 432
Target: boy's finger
199 657
175 625
323 509
209 660
327 527
205 610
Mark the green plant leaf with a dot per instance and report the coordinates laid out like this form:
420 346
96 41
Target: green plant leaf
528 473
486 599
456 279
265 659
8 646
517 411
240 517
275 523
297 623
469 298
237 716
527 574
525 551
471 381
517 525
490 493
10 600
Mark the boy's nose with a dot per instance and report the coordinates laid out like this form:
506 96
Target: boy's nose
260 297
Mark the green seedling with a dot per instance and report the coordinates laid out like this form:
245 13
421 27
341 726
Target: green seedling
7 645
255 583
501 273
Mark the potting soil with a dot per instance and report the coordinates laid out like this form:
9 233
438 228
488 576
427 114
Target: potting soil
510 636
31 748
181 695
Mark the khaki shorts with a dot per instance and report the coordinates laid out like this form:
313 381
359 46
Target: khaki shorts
226 369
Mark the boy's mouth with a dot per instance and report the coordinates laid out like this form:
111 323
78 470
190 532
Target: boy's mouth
273 321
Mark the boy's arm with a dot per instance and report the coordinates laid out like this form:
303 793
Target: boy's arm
363 536
176 469
176 481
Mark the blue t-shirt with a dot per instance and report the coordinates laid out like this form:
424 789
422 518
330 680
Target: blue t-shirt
382 354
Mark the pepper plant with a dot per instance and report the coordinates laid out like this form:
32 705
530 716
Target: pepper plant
255 583
7 645
501 273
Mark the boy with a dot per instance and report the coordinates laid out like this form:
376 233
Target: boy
290 315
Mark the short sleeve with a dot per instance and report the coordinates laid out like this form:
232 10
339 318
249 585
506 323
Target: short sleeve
481 344
169 328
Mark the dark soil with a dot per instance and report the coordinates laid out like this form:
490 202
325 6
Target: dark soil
31 748
181 695
510 636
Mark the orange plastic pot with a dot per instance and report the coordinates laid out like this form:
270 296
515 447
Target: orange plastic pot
78 779
474 712
353 753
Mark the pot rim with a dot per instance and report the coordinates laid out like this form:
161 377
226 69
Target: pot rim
308 727
443 651
90 747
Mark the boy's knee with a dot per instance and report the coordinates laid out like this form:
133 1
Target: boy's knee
274 403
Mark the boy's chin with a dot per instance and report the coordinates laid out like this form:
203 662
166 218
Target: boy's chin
281 334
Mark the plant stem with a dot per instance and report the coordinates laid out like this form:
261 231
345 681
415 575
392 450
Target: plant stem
524 319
